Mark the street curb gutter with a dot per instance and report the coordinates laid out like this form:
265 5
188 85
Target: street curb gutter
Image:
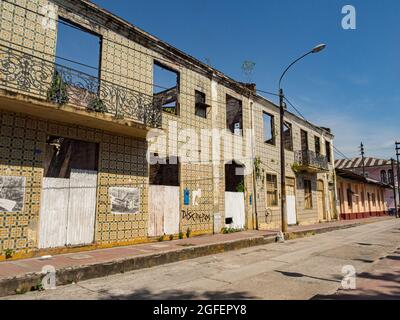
65 276
313 232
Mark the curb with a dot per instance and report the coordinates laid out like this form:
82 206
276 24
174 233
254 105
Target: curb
28 282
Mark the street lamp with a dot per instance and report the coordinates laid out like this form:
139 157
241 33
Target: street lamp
316 49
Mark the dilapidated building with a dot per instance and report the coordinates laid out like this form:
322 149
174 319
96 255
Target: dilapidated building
139 142
310 175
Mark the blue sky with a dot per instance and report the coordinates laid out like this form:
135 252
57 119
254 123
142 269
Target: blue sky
351 87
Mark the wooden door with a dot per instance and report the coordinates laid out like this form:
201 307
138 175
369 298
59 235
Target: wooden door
322 216
164 210
82 207
68 210
53 213
235 209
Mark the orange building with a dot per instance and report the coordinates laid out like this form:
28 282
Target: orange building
360 197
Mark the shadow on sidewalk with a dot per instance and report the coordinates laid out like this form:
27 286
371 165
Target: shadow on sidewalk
145 294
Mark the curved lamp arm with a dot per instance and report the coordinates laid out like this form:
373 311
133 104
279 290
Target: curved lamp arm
316 49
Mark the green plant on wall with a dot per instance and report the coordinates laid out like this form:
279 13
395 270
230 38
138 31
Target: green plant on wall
8 253
259 172
240 187
58 90
97 105
296 168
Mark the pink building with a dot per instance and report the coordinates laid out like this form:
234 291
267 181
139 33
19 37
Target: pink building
376 169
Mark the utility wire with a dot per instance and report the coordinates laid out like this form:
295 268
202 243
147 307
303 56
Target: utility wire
305 119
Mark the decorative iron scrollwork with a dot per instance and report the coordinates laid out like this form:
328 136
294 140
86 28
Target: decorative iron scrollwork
59 84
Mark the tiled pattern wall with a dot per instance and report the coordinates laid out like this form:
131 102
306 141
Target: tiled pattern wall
25 26
270 158
122 162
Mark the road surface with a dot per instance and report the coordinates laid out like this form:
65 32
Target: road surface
309 268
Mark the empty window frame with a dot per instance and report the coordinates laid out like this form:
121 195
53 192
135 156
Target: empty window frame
363 197
374 199
166 88
201 108
391 177
287 135
63 155
165 172
304 140
349 197
234 177
384 176
328 151
78 48
234 115
269 128
308 203
317 141
272 190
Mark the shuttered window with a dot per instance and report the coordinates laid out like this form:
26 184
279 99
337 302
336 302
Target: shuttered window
272 190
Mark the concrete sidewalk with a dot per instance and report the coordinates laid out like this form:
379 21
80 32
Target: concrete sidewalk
23 275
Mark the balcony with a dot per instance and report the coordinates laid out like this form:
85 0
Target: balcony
58 86
309 161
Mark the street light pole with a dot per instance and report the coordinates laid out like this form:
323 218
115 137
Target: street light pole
394 189
363 158
282 108
283 161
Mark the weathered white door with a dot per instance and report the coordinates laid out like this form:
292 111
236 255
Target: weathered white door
164 210
53 213
291 205
322 216
235 209
68 210
82 207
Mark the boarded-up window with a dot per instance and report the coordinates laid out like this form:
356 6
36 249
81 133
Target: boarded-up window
269 128
165 172
63 155
374 199
234 115
272 190
308 204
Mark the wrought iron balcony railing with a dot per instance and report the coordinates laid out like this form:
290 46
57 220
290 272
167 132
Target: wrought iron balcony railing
309 160
25 73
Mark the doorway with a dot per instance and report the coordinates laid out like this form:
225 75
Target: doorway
291 201
322 216
69 192
235 216
164 203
